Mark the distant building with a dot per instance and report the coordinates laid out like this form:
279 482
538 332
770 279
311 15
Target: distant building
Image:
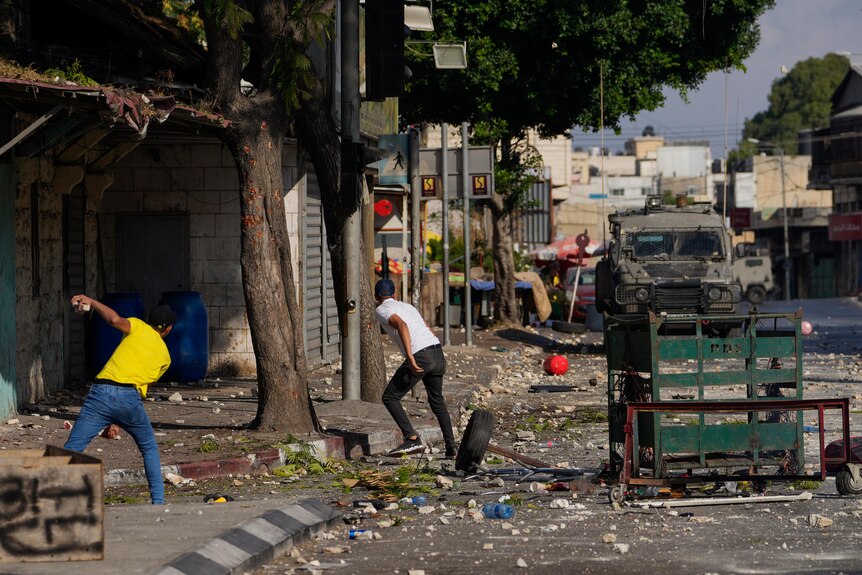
837 164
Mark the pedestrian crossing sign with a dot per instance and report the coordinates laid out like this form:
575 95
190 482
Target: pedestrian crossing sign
395 168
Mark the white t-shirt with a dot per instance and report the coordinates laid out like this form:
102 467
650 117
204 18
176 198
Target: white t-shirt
420 336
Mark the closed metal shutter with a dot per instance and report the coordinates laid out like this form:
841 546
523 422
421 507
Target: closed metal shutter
74 206
322 340
533 225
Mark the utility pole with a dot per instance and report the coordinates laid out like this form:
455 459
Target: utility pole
416 255
465 179
786 232
783 210
444 191
352 231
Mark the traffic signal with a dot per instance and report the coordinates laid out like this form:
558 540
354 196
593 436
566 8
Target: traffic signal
385 32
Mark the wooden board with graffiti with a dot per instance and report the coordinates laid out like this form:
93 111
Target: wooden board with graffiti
51 506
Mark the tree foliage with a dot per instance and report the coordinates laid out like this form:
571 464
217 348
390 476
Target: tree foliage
799 100
539 64
549 65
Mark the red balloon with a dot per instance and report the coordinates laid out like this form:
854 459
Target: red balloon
383 208
556 365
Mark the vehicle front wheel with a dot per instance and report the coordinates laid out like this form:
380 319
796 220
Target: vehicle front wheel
604 286
756 295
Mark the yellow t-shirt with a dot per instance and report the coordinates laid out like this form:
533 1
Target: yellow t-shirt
141 358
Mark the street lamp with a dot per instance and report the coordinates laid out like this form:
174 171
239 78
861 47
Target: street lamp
783 211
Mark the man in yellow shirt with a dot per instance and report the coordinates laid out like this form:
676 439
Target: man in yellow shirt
116 396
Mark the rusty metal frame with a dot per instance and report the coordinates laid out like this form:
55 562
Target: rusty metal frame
733 407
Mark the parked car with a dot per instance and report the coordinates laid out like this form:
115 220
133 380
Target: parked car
586 292
752 267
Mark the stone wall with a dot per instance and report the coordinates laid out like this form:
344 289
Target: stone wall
40 299
197 177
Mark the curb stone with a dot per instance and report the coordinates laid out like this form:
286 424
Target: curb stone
256 541
337 447
340 445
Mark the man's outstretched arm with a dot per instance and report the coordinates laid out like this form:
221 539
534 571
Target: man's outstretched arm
111 317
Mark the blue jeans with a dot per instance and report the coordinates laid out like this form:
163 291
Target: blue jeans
432 360
106 404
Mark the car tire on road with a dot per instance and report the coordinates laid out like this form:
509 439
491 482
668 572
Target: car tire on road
477 435
568 327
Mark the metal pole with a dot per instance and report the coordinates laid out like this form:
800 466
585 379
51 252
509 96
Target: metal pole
352 232
404 248
444 191
786 233
465 180
415 222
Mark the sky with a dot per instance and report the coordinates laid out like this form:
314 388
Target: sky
794 30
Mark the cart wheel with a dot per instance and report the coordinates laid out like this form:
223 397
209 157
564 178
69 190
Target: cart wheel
846 484
617 493
475 441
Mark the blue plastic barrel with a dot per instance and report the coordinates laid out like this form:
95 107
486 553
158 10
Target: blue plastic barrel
189 340
103 339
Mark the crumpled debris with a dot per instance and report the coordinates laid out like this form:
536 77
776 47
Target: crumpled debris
443 482
819 521
175 479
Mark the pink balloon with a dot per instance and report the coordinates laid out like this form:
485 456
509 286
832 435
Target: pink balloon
807 328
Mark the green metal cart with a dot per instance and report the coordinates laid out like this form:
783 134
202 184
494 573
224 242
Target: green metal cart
686 405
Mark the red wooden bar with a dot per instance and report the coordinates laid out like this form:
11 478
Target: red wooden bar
734 406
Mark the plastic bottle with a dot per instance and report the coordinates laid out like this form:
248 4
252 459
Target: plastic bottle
354 533
649 491
498 511
418 500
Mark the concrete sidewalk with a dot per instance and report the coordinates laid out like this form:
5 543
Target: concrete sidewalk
191 539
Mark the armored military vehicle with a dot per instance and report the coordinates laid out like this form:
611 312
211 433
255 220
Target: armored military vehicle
674 259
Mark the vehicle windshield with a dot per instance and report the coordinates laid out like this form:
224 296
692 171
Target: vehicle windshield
676 244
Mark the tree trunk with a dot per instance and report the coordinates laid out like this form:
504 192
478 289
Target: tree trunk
255 138
274 317
320 137
506 310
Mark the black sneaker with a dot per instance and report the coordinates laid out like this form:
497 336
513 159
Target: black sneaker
451 451
409 446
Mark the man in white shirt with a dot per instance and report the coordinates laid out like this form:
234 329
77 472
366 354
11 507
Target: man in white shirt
423 360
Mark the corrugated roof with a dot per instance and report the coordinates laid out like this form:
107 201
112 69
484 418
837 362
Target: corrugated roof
115 105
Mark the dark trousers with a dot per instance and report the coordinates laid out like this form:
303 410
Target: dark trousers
432 360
